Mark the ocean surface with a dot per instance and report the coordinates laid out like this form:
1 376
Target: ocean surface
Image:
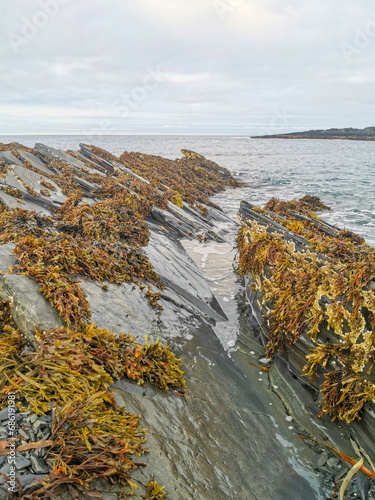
341 173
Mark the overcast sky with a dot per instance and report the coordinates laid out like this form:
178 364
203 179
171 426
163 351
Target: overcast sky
242 67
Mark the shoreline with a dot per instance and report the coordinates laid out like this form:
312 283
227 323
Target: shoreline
215 443
315 138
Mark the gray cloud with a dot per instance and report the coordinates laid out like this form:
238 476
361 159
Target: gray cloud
185 66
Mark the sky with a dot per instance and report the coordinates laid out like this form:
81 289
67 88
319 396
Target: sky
231 67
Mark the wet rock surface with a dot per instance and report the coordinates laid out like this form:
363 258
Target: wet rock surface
237 435
301 397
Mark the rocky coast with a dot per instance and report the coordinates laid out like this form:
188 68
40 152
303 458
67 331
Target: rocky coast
132 354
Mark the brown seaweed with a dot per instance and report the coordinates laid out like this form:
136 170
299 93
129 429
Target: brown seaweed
325 286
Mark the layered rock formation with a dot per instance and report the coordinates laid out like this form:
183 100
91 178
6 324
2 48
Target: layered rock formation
94 242
311 290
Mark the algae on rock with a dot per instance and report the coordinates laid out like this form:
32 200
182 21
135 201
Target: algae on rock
322 290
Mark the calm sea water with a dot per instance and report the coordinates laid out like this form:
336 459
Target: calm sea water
339 172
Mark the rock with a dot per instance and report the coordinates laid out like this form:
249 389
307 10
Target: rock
228 441
362 483
5 469
180 274
36 163
294 358
34 180
55 154
45 418
46 434
23 434
4 413
38 423
30 433
27 203
38 465
32 479
333 463
7 258
118 308
9 158
40 204
86 185
42 452
30 307
32 419
21 461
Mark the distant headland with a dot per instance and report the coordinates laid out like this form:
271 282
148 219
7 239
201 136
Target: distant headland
365 134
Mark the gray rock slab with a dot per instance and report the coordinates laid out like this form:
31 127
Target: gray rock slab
12 202
34 180
40 204
131 173
38 465
56 154
5 469
4 414
86 185
21 462
30 307
30 479
9 158
93 165
7 258
103 164
225 441
78 164
124 309
183 226
179 273
35 162
121 308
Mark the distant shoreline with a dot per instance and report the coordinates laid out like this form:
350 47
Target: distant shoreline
353 134
281 136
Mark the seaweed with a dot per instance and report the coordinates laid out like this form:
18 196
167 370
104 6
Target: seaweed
324 288
51 260
191 179
13 192
6 319
71 372
307 205
155 492
68 371
17 223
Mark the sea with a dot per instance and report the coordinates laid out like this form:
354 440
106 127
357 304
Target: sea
340 172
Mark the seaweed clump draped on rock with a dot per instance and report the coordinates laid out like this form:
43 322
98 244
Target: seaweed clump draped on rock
95 229
100 241
68 370
323 290
192 179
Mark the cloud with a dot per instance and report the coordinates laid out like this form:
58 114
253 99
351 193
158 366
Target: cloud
223 66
